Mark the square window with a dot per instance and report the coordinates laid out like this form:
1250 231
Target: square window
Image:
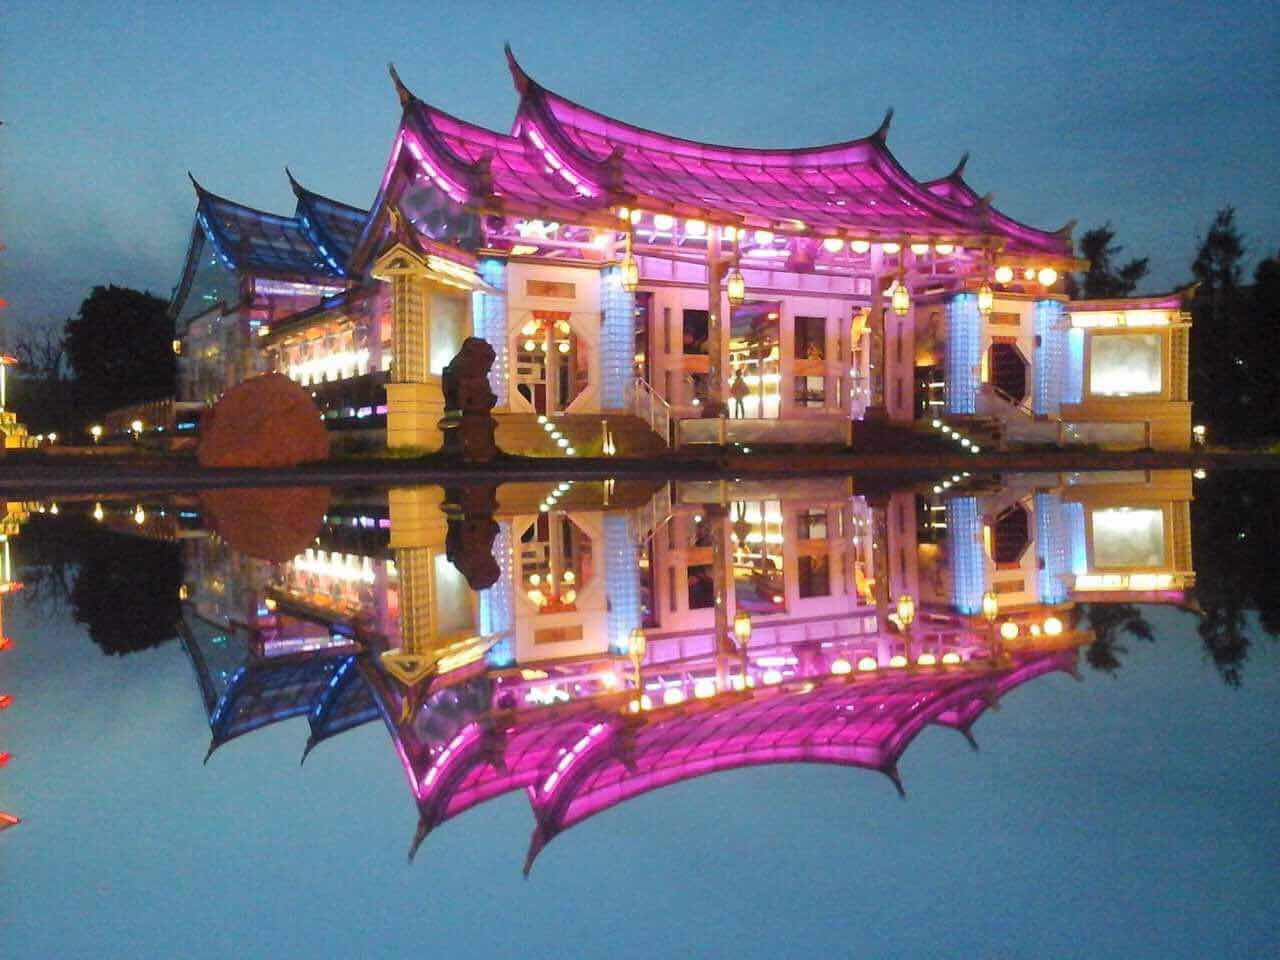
810 391
811 338
813 577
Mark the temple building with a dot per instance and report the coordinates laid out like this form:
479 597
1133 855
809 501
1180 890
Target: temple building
683 292
609 638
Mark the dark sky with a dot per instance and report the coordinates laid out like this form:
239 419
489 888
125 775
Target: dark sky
1151 115
1126 816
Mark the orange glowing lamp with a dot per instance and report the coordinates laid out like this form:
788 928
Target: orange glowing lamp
6 700
8 820
4 759
6 643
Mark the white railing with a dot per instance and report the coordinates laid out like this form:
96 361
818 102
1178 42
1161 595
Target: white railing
649 406
647 520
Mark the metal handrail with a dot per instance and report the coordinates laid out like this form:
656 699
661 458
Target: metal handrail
1024 404
649 405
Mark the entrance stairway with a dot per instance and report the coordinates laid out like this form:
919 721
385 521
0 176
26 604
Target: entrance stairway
521 434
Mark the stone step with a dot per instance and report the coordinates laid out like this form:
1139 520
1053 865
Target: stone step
522 434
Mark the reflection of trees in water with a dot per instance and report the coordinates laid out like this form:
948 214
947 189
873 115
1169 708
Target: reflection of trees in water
1109 622
123 589
1235 529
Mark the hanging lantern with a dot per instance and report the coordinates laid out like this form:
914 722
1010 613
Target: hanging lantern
986 298
1004 274
906 609
901 298
736 286
858 326
1047 276
630 273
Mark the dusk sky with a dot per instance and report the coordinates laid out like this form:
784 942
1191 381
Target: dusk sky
1149 115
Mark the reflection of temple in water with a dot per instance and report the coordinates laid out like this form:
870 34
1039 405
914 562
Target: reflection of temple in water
631 638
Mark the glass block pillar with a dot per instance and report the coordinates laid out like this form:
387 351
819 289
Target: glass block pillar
965 554
1073 368
1052 548
1051 356
617 341
497 604
490 312
622 581
964 353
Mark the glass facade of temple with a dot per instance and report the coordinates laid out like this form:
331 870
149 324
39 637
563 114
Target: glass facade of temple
686 292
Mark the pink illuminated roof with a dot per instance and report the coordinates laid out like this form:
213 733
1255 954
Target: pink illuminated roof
578 759
564 160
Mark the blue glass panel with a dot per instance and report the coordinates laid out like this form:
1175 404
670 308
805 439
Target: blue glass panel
617 341
497 604
622 581
1050 368
964 353
1052 547
965 553
1073 378
490 311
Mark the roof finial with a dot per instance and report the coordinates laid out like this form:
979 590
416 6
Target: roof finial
195 183
896 778
1066 230
522 80
882 131
403 92
213 745
419 835
958 172
968 735
297 187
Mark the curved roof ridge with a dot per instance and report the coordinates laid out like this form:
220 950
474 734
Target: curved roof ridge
203 193
302 192
526 85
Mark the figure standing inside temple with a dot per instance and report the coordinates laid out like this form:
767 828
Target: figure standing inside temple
739 390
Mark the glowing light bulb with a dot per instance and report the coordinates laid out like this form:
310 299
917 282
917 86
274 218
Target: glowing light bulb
695 228
840 667
663 221
867 664
891 248
833 244
1004 274
860 246
1048 276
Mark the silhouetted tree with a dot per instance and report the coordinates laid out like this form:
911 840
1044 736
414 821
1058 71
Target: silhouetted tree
41 392
1105 276
120 348
1225 384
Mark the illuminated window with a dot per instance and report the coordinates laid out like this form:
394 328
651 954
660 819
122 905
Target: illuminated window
1127 538
812 525
1122 365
